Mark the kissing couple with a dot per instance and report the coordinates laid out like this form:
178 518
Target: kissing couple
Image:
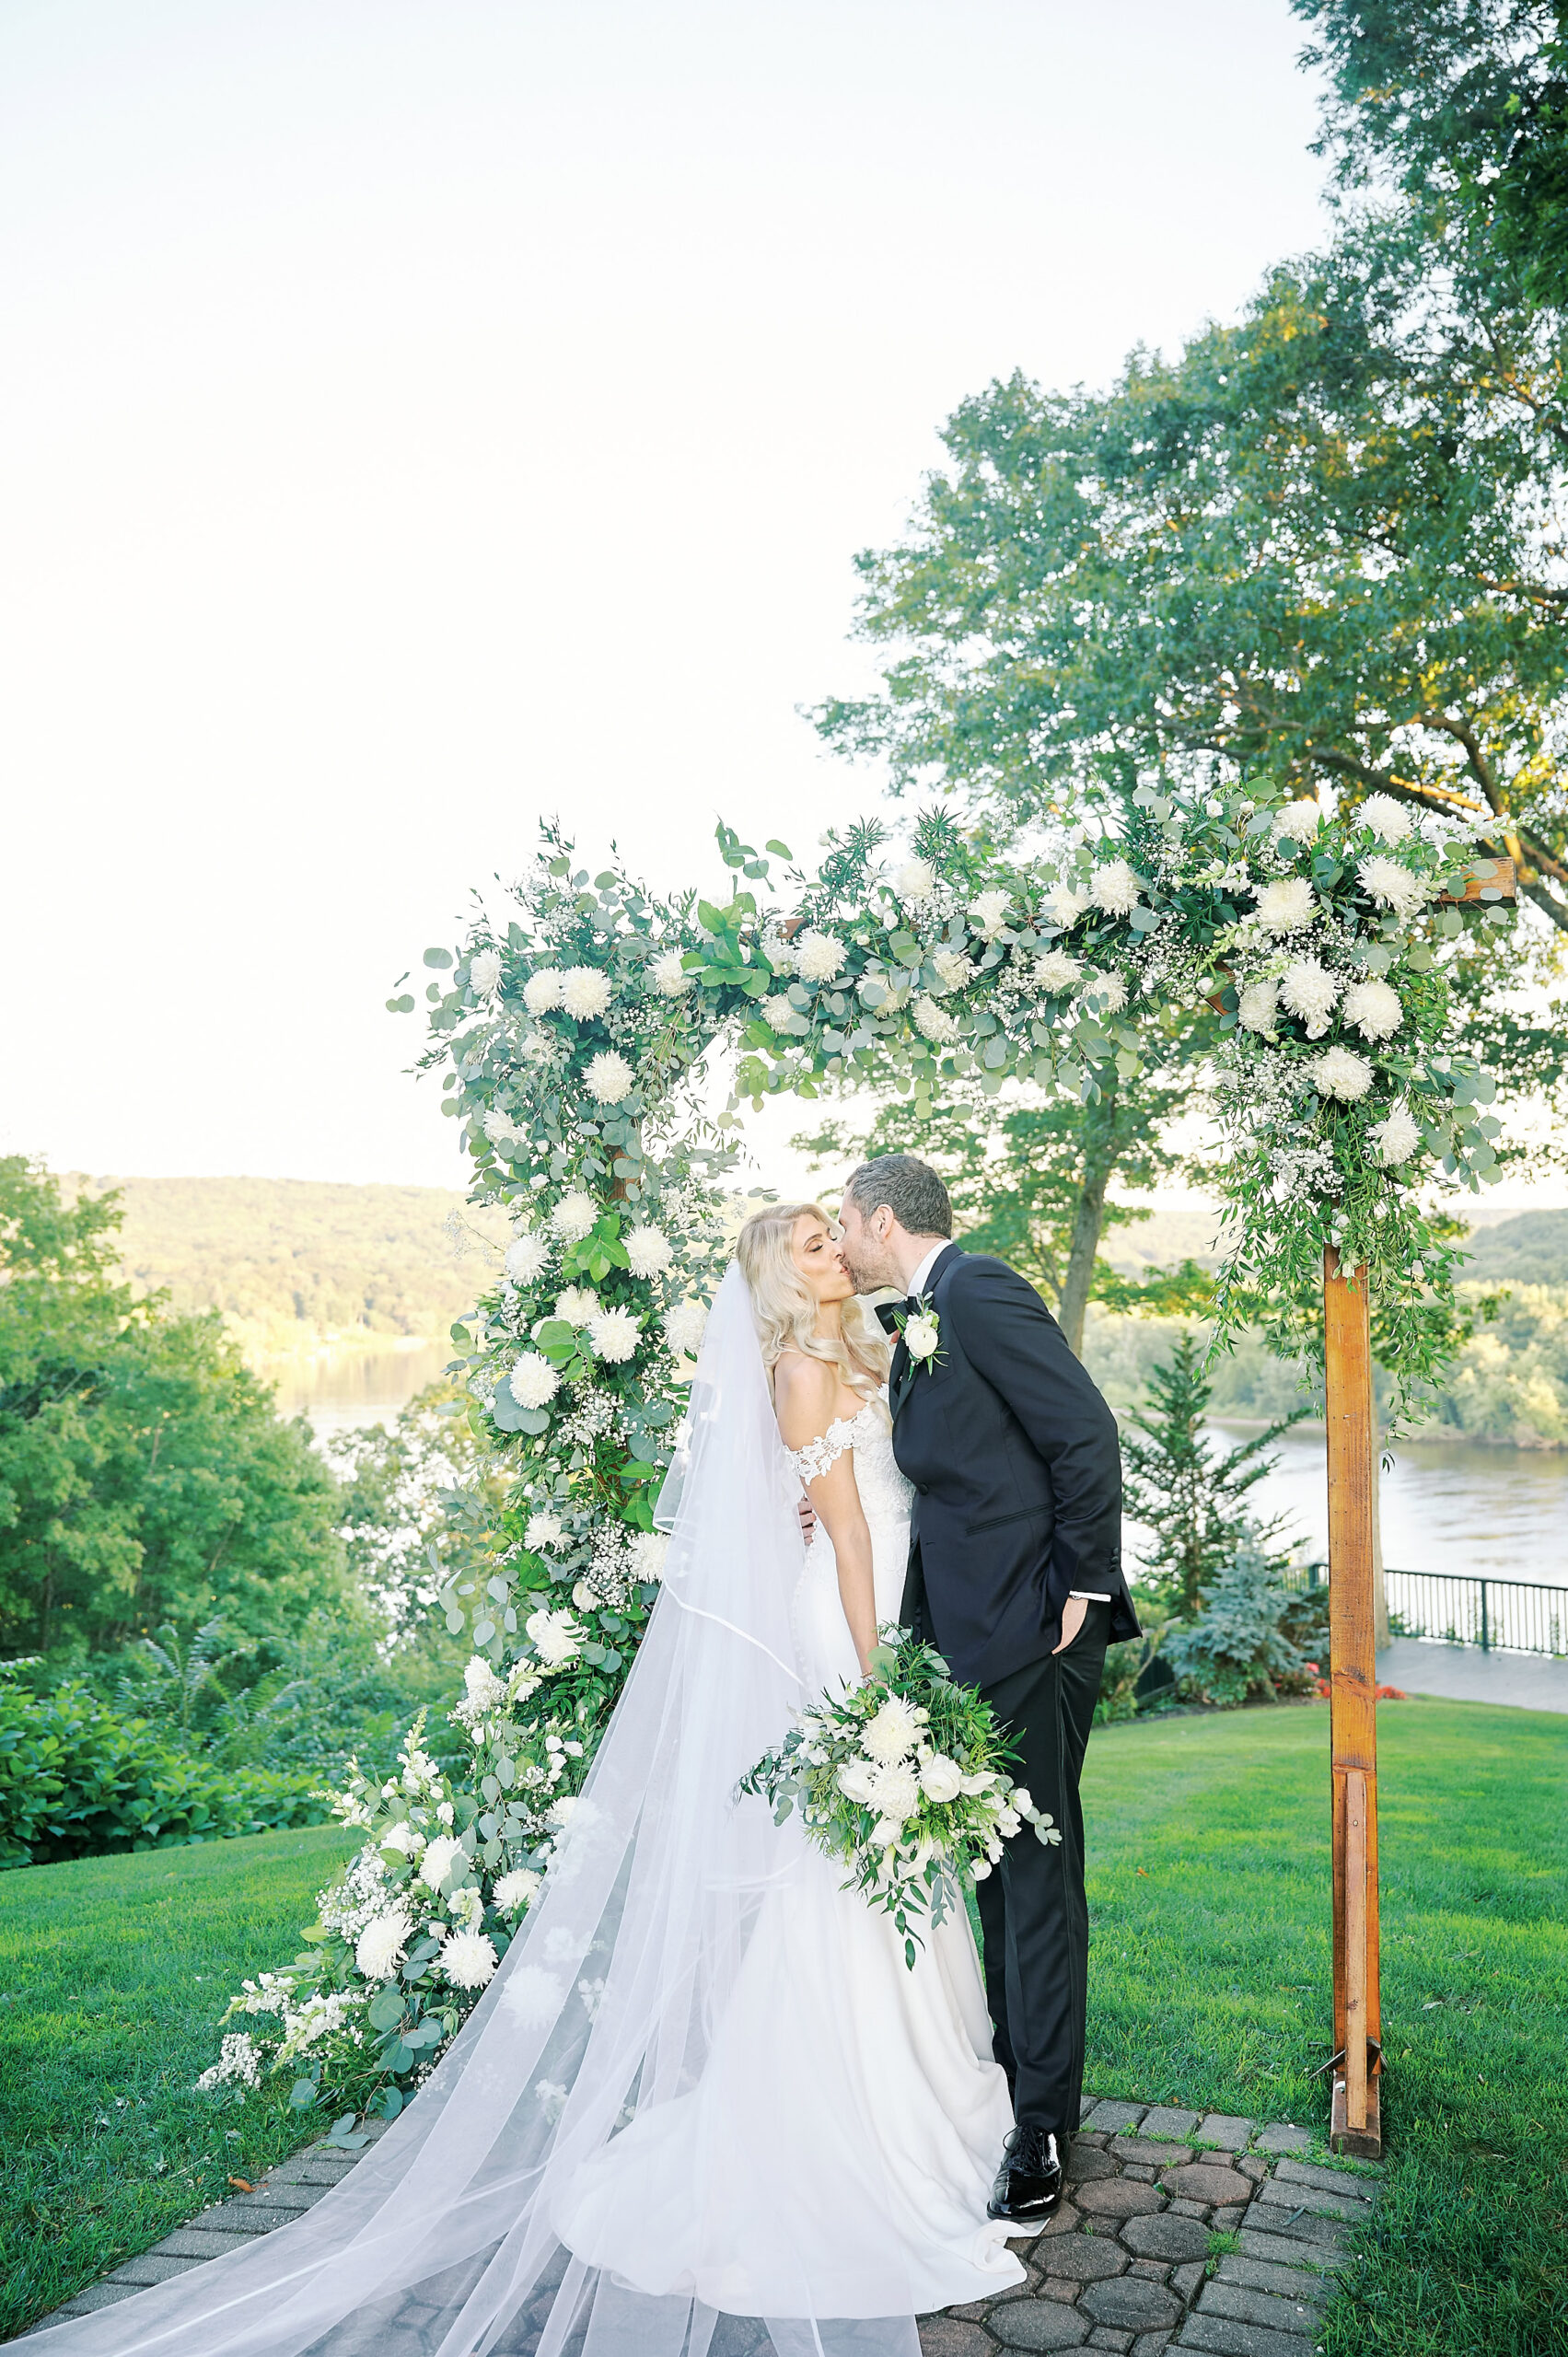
703 2085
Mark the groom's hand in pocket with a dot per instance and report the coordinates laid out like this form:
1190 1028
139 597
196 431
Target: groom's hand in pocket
1073 1617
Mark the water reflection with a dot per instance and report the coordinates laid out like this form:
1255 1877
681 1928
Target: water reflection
338 1391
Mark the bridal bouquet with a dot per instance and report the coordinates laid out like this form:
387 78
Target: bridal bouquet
907 1779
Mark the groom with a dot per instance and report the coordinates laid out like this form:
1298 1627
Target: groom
1014 1574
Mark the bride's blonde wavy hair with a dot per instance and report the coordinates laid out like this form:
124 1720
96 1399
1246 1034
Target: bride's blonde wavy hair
786 1309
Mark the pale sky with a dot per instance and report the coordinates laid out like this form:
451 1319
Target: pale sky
418 419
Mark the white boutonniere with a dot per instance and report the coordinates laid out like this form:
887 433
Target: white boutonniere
922 1331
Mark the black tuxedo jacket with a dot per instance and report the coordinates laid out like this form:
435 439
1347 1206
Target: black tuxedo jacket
1016 1470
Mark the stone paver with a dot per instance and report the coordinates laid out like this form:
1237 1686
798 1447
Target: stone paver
1203 2181
1287 2250
1230 2300
1118 2197
1167 2236
1149 2152
1160 2120
1314 2201
1328 2180
1265 2275
1129 2302
1284 2136
1219 2337
1082 2258
1223 2129
1115 2119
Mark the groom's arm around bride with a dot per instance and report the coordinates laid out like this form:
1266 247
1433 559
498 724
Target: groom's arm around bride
1015 1576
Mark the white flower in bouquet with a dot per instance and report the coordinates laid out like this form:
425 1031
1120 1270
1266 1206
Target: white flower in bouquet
613 1335
649 1251
887 1832
554 1636
405 1838
563 1811
817 956
1067 904
934 1022
979 1869
1298 821
684 1326
892 1733
467 1959
857 1782
941 1779
778 951
1394 887
1374 1006
897 1794
466 1907
1259 1007
776 1009
542 990
1289 906
444 1810
1396 1137
953 968
440 1856
420 1773
989 910
922 1336
484 971
521 1683
584 1598
519 1888
533 1382
1115 889
237 2061
525 1257
915 881
532 1996
379 1950
575 1215
1340 1071
670 976
1111 992
610 1078
584 993
545 1530
649 1549
486 1692
502 1131
578 1305
1388 819
1022 1800
1055 971
1310 992
1007 1823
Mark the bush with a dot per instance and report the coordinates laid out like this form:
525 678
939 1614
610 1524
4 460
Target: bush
1237 1645
78 1780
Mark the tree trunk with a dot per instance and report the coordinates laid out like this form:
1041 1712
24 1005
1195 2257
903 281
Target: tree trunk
1099 1161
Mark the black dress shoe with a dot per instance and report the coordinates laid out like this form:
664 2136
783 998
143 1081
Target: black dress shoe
1028 2183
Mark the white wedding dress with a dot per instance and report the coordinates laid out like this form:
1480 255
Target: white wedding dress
837 2152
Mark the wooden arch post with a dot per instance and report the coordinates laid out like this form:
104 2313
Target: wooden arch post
1356 2120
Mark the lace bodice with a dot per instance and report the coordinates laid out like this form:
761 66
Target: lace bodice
884 1492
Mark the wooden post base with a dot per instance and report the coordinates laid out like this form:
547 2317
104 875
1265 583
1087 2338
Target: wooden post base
1361 2144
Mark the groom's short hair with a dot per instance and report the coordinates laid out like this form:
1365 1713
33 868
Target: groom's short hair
909 1187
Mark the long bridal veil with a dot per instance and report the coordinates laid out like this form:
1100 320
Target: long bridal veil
439 2242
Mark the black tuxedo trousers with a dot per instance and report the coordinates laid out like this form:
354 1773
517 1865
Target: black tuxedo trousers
1032 1909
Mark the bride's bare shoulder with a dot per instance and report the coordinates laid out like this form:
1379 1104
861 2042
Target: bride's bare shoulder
804 1392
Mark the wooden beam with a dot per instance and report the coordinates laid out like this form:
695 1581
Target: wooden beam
1486 879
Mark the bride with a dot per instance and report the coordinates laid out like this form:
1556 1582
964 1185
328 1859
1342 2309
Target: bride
703 2086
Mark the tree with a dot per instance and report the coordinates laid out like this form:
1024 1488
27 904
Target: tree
144 1477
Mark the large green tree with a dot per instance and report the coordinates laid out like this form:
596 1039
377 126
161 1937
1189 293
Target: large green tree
144 1477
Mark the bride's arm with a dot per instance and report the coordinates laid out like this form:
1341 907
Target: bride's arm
805 1391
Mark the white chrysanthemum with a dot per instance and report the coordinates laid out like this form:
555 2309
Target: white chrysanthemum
467 1959
519 1888
1309 990
532 1996
1375 1007
554 1636
684 1326
1055 972
670 976
379 1950
1388 819
648 1251
573 1215
892 1733
484 971
484 1689
941 1779
952 968
989 910
1115 889
533 1382
578 1305
898 1791
1300 820
857 1782
545 1530
1289 906
819 956
613 1334
406 1839
609 1077
776 1009
525 1257
1396 1137
440 1856
1386 882
1340 1071
1111 990
914 881
501 1129
649 1549
585 991
563 1811
1067 904
934 1022
1259 1008
542 990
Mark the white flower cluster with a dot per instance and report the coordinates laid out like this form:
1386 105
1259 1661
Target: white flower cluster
238 2064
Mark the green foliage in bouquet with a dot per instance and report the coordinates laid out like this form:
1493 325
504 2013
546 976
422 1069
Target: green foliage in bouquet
905 1779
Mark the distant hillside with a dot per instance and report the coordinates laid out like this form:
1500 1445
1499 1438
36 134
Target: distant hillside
294 1263
1527 1247
1532 1248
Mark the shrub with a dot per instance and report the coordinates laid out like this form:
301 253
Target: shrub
1237 1645
77 1781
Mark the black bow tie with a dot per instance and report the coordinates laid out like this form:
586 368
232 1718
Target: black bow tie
890 1312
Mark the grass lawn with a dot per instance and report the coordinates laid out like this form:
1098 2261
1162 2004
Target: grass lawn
112 1974
1210 1983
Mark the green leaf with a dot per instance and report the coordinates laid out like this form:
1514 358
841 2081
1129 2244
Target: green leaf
302 2095
386 2009
780 850
437 957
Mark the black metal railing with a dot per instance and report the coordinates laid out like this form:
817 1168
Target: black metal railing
1457 1608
